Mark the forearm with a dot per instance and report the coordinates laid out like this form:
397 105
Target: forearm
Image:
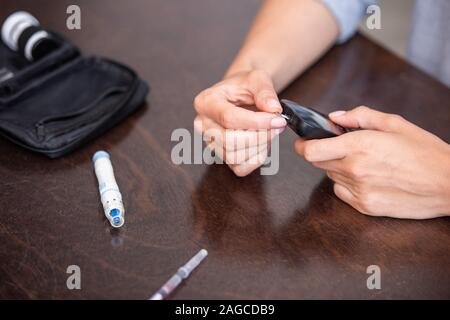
287 36
446 178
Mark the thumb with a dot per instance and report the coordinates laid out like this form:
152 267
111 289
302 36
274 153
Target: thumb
264 93
366 118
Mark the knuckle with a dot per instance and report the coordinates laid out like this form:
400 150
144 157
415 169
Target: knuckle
330 175
356 171
399 117
198 124
362 109
264 95
393 121
360 189
396 117
201 100
315 164
226 119
258 160
227 90
240 171
366 202
309 151
198 102
362 140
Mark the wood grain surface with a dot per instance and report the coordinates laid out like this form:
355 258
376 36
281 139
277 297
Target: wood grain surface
284 236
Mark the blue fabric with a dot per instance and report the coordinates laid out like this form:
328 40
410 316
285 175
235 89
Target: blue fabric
348 14
429 47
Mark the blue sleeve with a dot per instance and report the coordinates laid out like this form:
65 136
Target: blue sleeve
348 14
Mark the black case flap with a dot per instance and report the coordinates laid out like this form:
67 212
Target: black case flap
54 105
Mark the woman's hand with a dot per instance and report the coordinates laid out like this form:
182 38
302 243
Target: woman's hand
238 119
393 168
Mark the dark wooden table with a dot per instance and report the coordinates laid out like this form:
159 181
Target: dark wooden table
269 237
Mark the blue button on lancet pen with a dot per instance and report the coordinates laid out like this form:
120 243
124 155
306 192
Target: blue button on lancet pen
109 191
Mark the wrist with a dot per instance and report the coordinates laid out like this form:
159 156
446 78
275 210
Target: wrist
246 62
443 198
238 66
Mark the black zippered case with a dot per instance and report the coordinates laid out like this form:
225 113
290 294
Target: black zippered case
56 104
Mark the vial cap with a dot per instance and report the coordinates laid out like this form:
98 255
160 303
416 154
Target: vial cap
100 154
14 24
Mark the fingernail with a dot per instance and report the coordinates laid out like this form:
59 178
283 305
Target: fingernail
337 114
274 104
278 122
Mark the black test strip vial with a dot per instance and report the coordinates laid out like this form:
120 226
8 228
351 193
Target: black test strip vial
21 32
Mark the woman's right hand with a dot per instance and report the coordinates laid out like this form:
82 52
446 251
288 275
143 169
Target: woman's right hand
238 119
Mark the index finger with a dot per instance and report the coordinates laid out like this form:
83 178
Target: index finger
324 149
230 116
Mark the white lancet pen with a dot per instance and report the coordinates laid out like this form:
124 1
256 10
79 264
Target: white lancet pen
110 195
182 274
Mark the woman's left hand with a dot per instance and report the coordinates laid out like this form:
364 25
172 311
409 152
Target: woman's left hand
393 168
